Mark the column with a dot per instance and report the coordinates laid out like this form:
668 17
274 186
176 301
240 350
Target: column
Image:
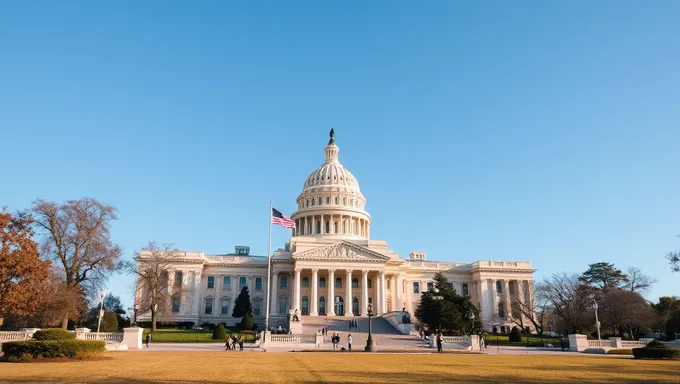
298 271
197 293
409 296
323 227
506 297
330 300
313 225
364 292
234 290
274 301
399 288
315 297
383 301
348 294
494 298
340 223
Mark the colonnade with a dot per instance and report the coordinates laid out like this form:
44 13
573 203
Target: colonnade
332 224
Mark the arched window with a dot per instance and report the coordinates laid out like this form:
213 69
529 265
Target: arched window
328 227
320 200
328 201
312 202
336 200
305 305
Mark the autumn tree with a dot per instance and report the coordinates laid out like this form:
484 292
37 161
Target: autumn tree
638 281
22 272
152 266
603 275
77 236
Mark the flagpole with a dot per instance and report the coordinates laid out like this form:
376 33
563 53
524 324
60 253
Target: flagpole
269 251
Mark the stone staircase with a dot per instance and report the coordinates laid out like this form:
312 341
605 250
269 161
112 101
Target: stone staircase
385 336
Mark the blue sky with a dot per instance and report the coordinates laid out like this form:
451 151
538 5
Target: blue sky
536 131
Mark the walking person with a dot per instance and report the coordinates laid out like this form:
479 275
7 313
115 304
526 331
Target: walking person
349 342
439 342
148 338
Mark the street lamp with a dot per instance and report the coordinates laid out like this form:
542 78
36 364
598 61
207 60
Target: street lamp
370 344
472 322
597 321
101 310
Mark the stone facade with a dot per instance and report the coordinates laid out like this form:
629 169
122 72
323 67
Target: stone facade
331 267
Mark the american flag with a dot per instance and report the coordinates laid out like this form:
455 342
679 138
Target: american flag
280 219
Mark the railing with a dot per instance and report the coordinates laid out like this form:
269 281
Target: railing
465 340
14 336
602 343
633 344
105 336
292 339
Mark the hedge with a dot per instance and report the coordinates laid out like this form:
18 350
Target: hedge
53 334
656 350
620 352
21 350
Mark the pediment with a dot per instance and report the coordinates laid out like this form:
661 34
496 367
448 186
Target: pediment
342 251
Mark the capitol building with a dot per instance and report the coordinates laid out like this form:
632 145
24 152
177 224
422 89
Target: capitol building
332 267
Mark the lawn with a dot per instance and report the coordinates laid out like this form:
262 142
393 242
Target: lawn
136 367
182 336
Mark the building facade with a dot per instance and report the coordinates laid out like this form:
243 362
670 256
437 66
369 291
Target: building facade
332 267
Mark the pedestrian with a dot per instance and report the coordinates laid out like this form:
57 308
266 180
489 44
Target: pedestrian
350 325
148 338
349 342
562 344
439 342
240 343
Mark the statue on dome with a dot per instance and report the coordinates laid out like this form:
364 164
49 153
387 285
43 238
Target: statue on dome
332 140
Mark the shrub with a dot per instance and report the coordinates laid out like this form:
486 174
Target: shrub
246 323
656 350
515 335
53 334
109 322
82 349
620 352
219 333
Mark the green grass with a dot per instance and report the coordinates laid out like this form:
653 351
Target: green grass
534 341
188 336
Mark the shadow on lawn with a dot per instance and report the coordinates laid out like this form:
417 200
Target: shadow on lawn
345 377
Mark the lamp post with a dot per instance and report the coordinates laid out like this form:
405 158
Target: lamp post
101 310
472 322
597 321
370 344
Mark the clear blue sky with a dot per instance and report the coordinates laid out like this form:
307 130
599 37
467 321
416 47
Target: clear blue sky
537 131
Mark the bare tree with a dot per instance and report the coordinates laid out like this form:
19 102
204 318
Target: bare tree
638 281
152 267
568 299
532 308
624 310
674 259
77 236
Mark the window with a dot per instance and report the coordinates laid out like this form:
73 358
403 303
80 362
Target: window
305 281
225 304
226 282
257 307
355 283
499 286
175 305
322 282
283 282
178 278
338 282
450 285
336 201
320 201
328 227
305 305
466 291
318 227
208 305
416 287
258 283
241 282
501 309
370 284
430 286
328 200
283 305
164 277
211 282
322 305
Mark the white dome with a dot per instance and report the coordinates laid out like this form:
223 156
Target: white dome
331 202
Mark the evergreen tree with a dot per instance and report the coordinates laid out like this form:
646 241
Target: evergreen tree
442 308
219 333
603 275
242 305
